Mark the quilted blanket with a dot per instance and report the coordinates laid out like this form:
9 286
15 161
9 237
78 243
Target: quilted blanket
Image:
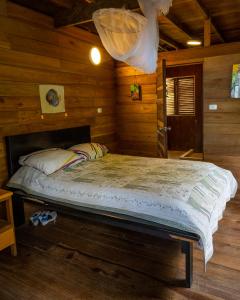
187 195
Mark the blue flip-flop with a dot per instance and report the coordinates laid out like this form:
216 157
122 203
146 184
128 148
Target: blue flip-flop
35 218
47 217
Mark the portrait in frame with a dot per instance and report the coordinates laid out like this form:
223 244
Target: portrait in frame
52 99
235 88
136 92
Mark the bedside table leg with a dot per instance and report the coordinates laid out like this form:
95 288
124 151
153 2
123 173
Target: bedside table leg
11 221
9 211
14 250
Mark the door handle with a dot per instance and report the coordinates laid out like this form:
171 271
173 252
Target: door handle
164 129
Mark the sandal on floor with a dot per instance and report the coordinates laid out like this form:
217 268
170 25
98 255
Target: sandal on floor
35 218
47 217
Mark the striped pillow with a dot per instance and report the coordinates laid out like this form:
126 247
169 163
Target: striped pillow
90 151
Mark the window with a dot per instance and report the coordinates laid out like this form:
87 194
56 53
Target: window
181 96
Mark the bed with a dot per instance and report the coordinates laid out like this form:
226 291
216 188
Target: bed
178 200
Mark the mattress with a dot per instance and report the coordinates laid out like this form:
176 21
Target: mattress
187 195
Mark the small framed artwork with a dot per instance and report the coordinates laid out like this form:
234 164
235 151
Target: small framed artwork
235 88
136 92
52 99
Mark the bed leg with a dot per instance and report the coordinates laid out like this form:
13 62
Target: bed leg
18 210
187 249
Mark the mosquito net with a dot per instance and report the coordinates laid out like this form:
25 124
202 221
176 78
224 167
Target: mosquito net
131 37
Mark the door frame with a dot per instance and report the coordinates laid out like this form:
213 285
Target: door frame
199 100
162 143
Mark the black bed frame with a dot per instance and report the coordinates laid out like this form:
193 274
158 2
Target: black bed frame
23 144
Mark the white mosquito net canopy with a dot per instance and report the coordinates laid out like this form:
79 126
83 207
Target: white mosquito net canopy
131 37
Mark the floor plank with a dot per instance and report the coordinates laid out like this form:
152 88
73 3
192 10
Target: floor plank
78 259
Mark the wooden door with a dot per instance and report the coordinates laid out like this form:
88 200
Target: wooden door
161 111
186 127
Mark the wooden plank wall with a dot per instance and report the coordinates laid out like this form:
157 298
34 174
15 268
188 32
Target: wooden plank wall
221 127
136 120
33 53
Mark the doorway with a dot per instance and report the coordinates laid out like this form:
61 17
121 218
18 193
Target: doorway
184 110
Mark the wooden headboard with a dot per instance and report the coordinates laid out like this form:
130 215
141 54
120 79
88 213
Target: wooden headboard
23 144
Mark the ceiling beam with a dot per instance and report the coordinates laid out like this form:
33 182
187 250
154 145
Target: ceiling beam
167 40
63 3
199 53
207 16
171 20
82 13
162 48
43 6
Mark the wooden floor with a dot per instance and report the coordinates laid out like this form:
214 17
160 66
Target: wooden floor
177 154
76 259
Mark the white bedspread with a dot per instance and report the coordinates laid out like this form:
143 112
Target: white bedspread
184 194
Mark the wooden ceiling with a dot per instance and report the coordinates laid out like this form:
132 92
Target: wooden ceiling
186 19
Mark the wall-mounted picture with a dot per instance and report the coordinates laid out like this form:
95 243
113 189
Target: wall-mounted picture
235 89
52 99
136 92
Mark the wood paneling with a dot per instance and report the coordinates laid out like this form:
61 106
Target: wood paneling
3 7
32 52
136 120
221 127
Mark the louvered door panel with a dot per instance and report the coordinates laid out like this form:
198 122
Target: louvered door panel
186 96
181 96
170 97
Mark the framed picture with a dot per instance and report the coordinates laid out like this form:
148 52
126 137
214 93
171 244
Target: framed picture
235 88
136 92
52 99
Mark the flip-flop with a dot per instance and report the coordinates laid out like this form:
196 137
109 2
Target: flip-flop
47 217
35 218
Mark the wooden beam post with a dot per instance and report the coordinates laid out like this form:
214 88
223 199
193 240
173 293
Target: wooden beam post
207 32
4 42
206 15
3 7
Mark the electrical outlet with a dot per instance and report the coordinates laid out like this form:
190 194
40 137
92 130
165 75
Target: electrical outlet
212 106
99 110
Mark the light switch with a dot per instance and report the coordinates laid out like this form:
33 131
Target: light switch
99 110
213 107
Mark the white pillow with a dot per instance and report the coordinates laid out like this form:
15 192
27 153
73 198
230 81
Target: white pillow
49 160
